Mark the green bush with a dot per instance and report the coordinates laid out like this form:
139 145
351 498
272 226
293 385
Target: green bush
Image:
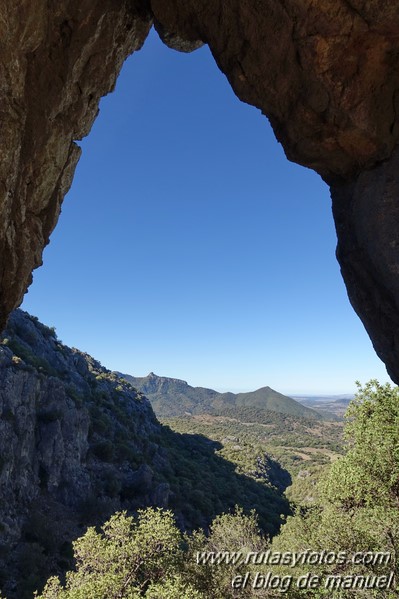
124 451
123 559
358 496
74 395
103 450
149 557
29 357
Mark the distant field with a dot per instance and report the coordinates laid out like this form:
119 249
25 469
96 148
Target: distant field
332 404
303 447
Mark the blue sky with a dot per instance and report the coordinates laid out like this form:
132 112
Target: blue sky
189 245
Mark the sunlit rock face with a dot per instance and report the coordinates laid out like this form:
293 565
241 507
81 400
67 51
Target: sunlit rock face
323 71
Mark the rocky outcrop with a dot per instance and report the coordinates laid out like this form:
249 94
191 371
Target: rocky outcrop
324 73
56 61
366 212
269 469
78 443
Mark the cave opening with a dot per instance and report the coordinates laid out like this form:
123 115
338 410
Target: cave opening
189 246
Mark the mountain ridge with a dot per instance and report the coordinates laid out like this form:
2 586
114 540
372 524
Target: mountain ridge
171 397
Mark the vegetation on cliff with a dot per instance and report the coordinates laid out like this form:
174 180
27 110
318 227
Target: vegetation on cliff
77 444
357 515
80 447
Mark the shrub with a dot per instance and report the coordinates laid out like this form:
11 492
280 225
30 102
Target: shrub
124 559
23 352
103 450
74 395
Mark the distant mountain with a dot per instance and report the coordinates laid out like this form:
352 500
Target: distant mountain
269 399
173 397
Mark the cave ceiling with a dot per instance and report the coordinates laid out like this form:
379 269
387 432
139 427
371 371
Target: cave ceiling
324 72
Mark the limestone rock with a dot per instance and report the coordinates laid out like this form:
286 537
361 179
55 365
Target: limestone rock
78 443
366 212
56 61
323 72
72 436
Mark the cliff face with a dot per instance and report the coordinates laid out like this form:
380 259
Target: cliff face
324 73
56 61
78 443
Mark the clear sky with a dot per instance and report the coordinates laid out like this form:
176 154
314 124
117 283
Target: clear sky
189 245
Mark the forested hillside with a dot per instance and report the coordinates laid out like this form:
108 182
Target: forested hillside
345 547
173 397
250 437
81 447
77 443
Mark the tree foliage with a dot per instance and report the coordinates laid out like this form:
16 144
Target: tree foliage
149 557
359 501
124 559
368 475
358 511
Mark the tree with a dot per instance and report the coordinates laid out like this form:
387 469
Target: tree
124 559
368 475
234 536
359 501
358 511
149 557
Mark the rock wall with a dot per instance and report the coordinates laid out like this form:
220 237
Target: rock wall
78 443
57 59
323 71
366 212
75 446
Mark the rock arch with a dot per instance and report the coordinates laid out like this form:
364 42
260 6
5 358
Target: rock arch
323 71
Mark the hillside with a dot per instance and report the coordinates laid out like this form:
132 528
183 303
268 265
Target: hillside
174 398
302 447
250 425
78 443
